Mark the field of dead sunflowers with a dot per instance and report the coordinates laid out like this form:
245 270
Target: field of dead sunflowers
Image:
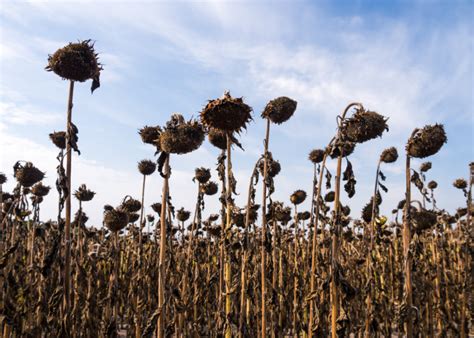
266 268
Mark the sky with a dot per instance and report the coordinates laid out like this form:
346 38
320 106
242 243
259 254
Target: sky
411 61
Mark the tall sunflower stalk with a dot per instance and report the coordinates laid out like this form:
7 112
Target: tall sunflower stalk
76 62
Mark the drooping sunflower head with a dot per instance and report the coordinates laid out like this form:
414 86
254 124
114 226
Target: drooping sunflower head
363 126
389 155
279 110
227 114
115 219
130 204
316 155
210 188
59 139
40 190
180 136
298 197
182 215
426 141
460 183
27 175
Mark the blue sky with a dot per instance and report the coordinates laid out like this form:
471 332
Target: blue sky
410 61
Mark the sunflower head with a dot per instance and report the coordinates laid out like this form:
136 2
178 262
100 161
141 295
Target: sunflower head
227 113
76 62
115 219
298 197
279 110
83 194
40 190
389 155
146 167
27 175
181 137
426 141
316 155
363 126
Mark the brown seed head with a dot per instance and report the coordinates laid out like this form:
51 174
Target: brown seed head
156 208
316 156
363 126
59 139
425 166
426 141
83 194
279 110
40 190
180 137
298 197
28 175
202 175
273 166
182 215
389 155
76 62
460 183
131 205
210 188
116 219
347 149
432 185
146 167
150 135
226 113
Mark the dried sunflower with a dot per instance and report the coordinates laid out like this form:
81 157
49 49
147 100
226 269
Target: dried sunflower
76 62
202 175
182 215
363 126
181 137
273 166
59 139
425 166
150 135
347 149
316 155
131 205
116 219
83 194
423 219
389 155
298 197
3 178
460 183
426 141
226 113
146 167
40 190
279 110
218 139
432 185
27 175
210 188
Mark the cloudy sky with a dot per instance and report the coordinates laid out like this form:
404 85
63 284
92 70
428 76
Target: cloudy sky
412 61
